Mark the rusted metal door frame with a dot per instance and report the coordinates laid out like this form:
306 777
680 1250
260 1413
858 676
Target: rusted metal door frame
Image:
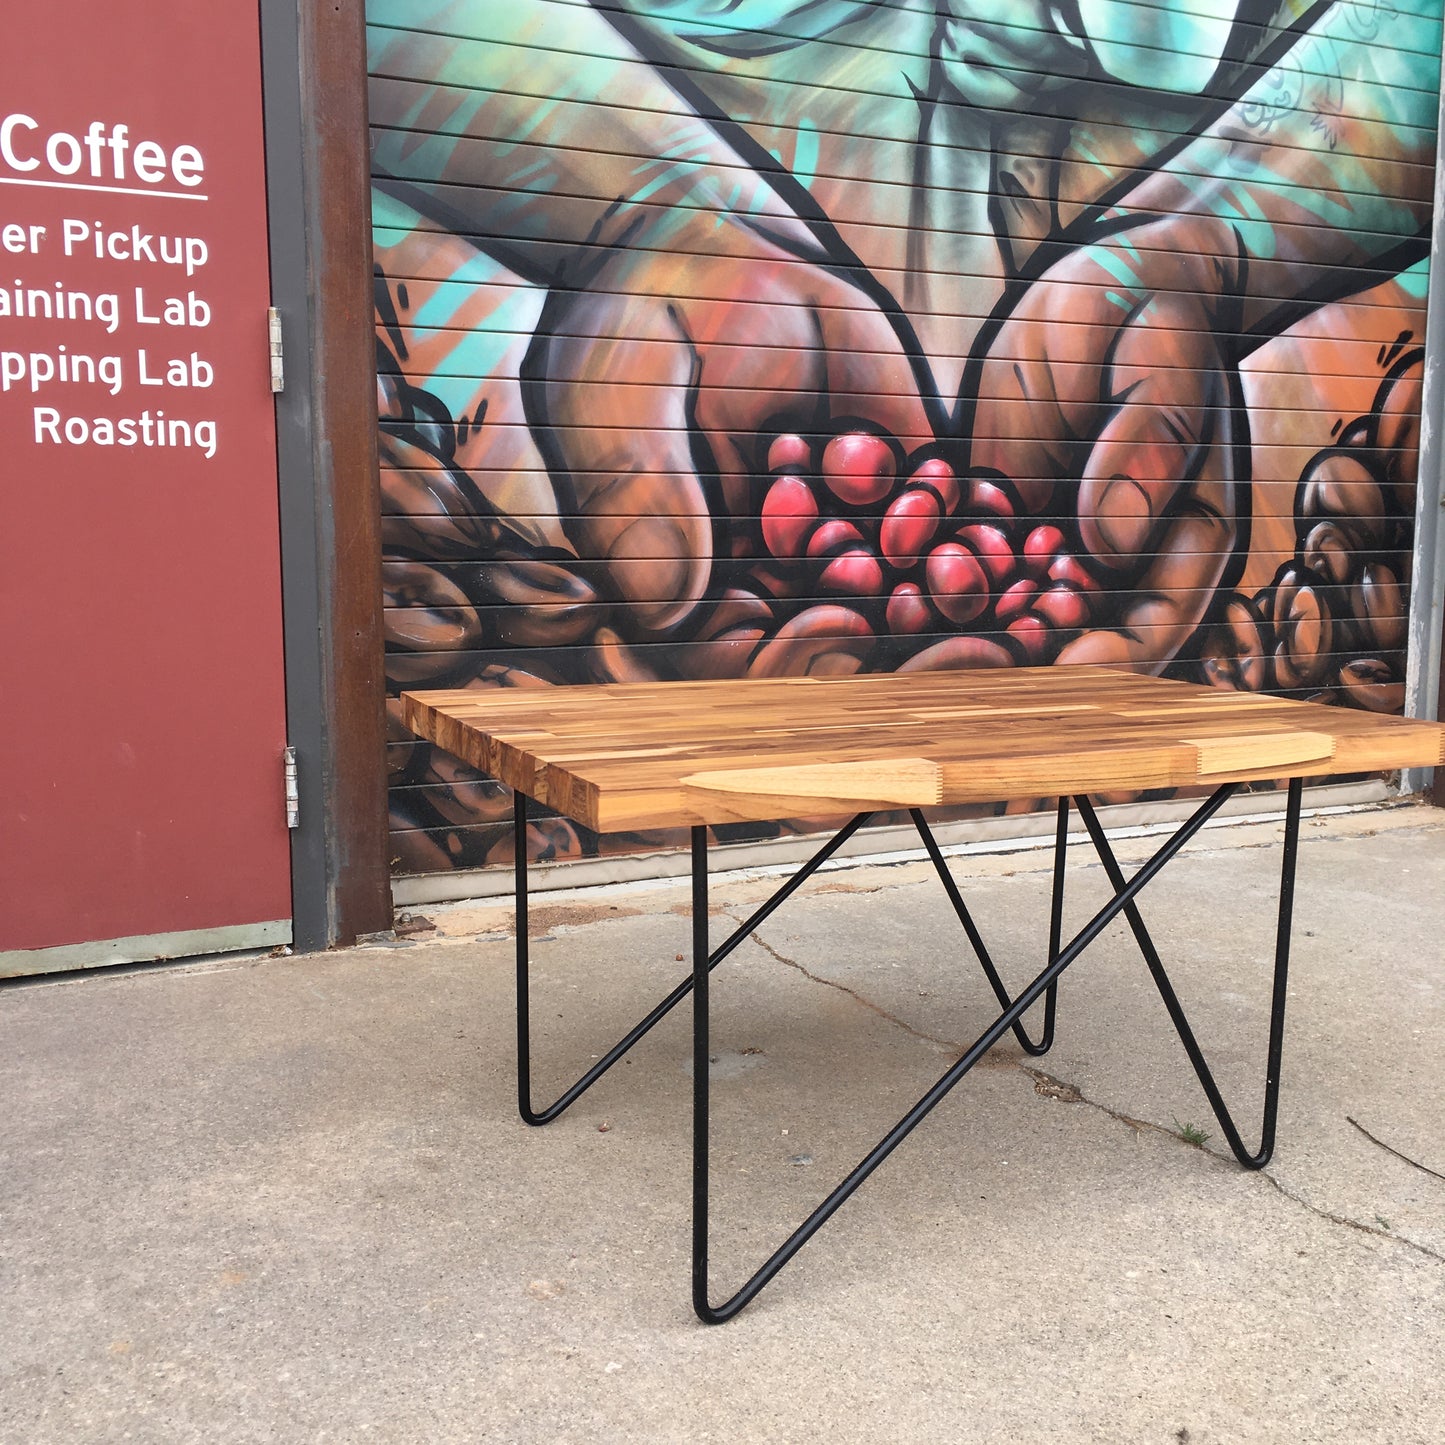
314 60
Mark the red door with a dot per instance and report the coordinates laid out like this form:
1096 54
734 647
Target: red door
142 718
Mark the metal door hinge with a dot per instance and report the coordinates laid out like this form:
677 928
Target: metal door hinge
278 368
293 790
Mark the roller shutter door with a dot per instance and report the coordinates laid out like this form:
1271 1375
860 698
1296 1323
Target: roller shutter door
822 336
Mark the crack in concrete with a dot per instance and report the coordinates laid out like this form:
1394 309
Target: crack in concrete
1049 1087
1052 1088
1355 1224
1390 1149
954 1048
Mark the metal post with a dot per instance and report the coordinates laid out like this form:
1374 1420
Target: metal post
701 1050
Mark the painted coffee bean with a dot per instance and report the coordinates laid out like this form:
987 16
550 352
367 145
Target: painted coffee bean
1303 629
1343 491
427 611
1327 551
1234 655
1339 485
909 526
737 609
858 468
907 610
825 641
460 794
617 659
1379 602
424 669
789 512
957 654
956 582
1373 684
1398 435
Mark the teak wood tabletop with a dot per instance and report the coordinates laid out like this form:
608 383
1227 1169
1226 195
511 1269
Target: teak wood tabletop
625 756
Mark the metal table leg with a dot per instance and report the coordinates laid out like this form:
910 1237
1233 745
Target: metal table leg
1044 986
524 1028
1122 902
1261 1157
532 1115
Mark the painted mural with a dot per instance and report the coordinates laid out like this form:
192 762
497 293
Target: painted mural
730 338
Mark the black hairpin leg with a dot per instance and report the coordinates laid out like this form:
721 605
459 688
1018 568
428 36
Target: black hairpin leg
975 938
1261 1157
524 1029
1043 986
706 1311
524 1025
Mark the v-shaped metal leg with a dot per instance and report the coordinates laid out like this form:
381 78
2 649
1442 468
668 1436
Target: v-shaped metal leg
532 1115
524 992
975 938
705 959
718 1314
1260 1157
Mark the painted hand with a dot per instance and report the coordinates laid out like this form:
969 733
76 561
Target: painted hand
1111 402
654 391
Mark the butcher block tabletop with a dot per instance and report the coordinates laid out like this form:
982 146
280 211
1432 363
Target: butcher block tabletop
626 756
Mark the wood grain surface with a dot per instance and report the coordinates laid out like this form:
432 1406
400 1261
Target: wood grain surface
664 754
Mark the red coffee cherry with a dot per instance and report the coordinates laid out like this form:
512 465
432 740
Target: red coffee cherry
956 582
936 473
858 468
1016 599
993 550
1043 543
789 450
907 610
988 497
909 525
1069 569
1033 632
789 511
1062 607
833 536
854 571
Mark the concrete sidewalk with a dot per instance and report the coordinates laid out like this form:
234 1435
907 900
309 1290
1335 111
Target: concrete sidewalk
290 1200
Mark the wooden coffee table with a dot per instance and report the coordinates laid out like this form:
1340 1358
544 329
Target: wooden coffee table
701 753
